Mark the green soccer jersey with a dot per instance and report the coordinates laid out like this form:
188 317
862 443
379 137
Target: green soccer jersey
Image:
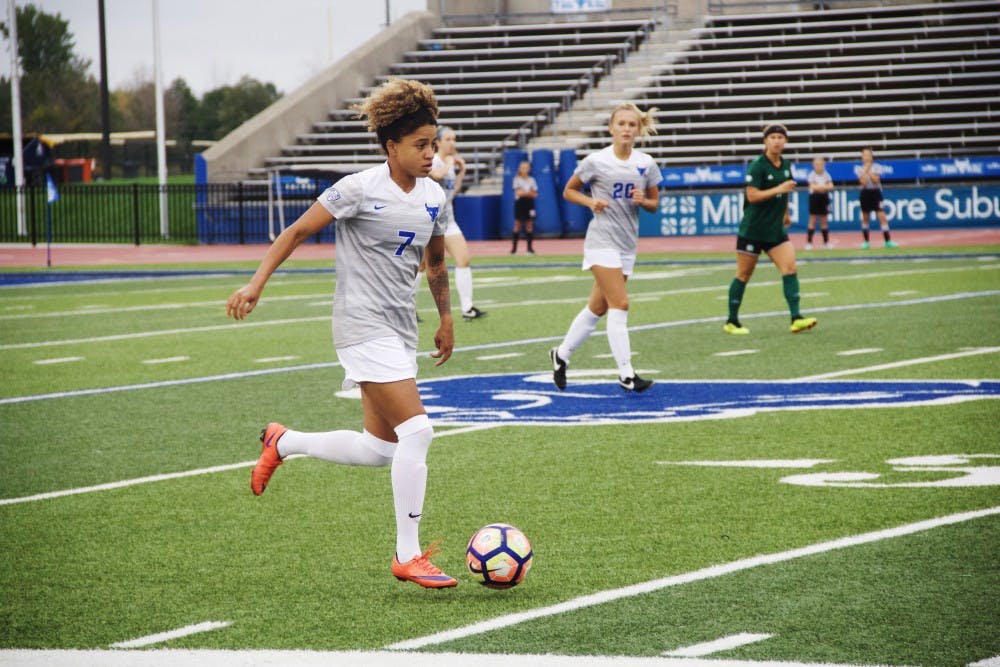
765 221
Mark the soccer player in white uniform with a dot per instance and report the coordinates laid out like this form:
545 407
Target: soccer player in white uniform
820 187
386 218
869 175
449 171
621 180
525 193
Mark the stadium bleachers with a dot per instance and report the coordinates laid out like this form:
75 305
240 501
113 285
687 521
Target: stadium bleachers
910 81
496 86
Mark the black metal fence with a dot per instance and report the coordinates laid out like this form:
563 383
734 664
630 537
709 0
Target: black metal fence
208 213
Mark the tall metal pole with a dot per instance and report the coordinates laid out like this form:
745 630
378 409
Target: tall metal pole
161 139
15 108
105 112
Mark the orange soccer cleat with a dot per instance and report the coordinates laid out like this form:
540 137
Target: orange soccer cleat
422 571
269 458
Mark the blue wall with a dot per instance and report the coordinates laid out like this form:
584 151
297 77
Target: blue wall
684 213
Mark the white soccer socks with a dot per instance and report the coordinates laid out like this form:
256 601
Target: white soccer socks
463 283
345 447
579 330
409 483
621 348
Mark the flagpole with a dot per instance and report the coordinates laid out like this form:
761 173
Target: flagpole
15 104
51 197
161 140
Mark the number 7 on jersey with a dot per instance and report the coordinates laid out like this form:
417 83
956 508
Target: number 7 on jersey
408 236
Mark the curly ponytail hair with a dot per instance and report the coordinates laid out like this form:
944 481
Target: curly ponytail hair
397 108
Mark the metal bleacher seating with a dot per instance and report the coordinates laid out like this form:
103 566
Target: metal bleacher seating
496 85
910 81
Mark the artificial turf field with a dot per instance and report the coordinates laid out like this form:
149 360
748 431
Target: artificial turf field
827 497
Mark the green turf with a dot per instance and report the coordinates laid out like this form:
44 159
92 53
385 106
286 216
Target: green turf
602 511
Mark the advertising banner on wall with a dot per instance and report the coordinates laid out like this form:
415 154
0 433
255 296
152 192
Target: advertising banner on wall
843 172
573 6
714 213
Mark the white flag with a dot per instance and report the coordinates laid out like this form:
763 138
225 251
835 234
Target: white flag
50 189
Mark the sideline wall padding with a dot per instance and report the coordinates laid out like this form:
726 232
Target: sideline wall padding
575 218
547 217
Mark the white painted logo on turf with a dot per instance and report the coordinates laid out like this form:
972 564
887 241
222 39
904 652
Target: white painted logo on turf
956 466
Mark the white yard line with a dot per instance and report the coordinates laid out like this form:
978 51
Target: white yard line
99 309
163 332
161 637
471 348
902 363
779 464
165 360
513 304
717 645
167 383
686 578
60 360
110 486
211 658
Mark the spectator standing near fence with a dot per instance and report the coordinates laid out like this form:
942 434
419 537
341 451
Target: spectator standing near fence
622 179
525 193
869 174
763 229
386 217
820 187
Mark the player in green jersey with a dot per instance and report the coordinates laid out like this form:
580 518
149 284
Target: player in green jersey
765 219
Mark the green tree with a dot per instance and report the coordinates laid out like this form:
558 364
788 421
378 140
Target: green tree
57 94
224 109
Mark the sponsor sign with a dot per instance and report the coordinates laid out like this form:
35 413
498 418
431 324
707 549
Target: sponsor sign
843 172
713 213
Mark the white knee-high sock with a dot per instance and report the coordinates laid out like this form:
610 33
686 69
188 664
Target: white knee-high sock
409 483
579 330
621 348
463 282
346 447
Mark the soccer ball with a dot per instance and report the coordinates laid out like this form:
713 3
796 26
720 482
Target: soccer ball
499 556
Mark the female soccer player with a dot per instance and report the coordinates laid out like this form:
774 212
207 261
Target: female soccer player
386 218
765 218
820 186
449 171
621 180
869 175
525 191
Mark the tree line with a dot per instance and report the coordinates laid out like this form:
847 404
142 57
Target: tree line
59 96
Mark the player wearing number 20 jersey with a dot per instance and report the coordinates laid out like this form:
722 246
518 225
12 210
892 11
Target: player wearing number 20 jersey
381 234
613 180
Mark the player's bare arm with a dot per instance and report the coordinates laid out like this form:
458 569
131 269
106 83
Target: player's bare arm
573 194
244 300
648 200
437 280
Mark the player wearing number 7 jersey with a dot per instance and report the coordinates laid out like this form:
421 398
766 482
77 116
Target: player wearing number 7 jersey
622 179
385 217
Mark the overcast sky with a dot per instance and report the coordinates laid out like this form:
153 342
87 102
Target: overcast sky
212 43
